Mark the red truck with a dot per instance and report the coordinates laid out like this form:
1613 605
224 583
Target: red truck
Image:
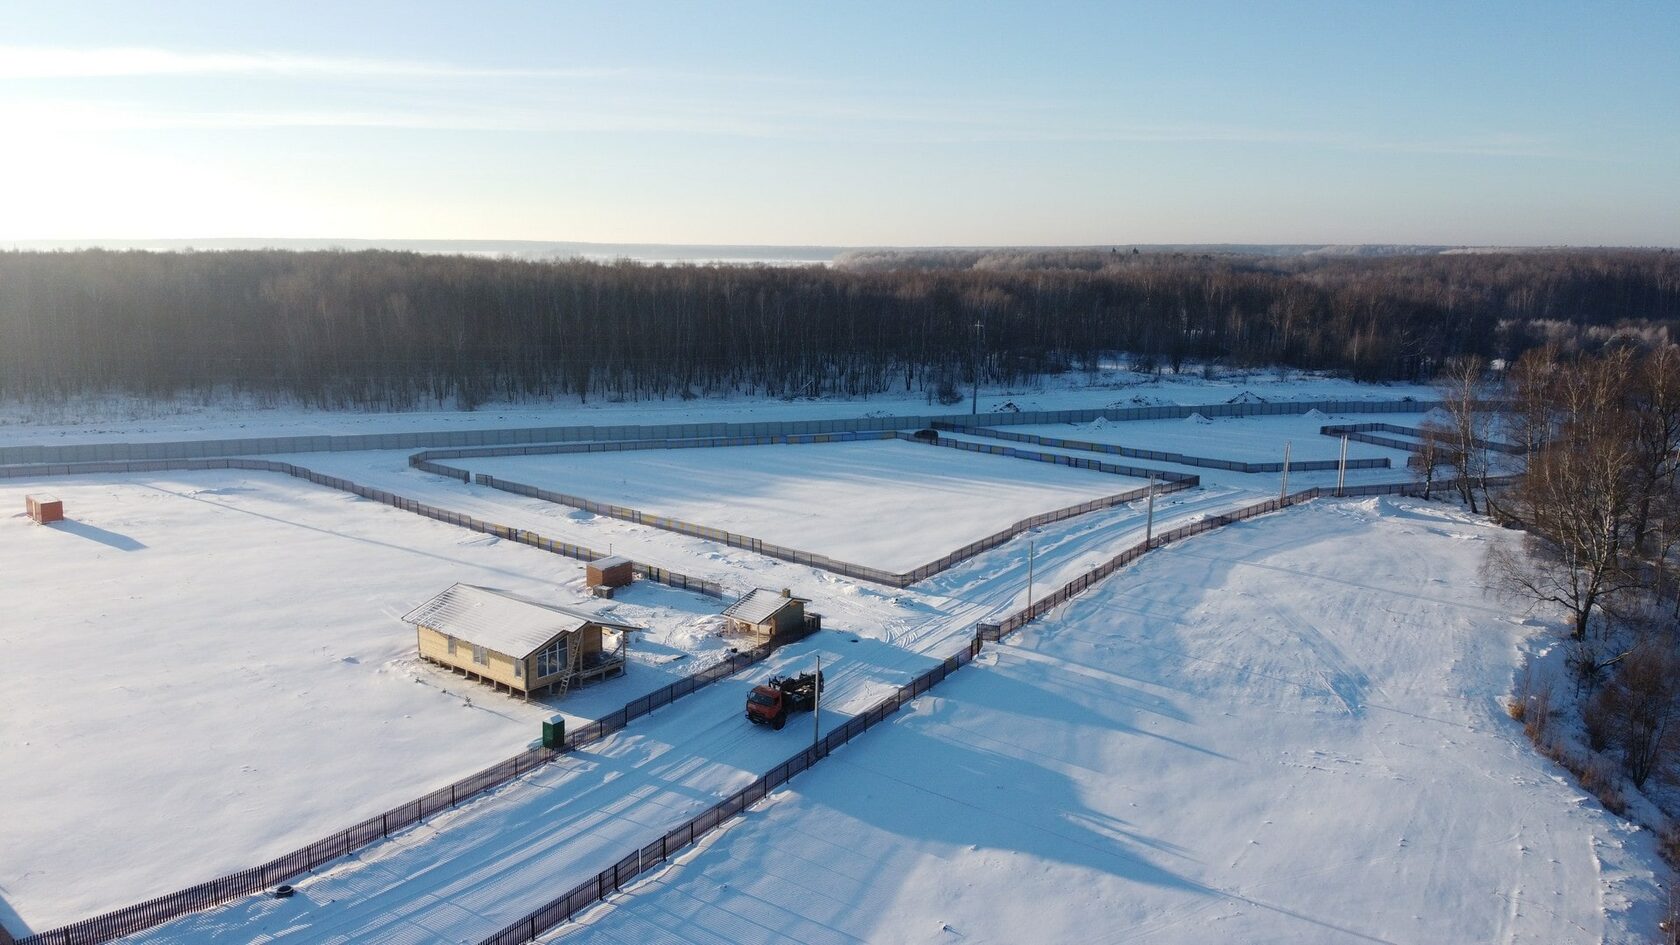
772 703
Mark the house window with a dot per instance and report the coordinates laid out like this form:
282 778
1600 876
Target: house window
451 646
519 668
552 659
481 656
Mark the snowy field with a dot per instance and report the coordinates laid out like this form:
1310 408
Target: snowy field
1290 730
103 418
1243 439
887 504
476 868
204 670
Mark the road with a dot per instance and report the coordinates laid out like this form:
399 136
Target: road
470 871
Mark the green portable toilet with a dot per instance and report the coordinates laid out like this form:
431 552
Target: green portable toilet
554 734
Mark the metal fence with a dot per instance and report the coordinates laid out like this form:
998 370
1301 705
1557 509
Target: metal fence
567 549
427 460
136 918
651 856
1364 433
253 446
648 857
1162 456
1065 593
1058 459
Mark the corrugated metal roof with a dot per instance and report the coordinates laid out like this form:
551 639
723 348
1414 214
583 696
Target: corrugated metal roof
760 605
506 623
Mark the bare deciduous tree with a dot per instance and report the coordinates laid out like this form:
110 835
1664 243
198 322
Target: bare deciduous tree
1574 502
1641 711
1463 392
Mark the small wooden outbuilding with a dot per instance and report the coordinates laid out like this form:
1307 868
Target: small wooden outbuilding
511 642
611 571
765 615
44 508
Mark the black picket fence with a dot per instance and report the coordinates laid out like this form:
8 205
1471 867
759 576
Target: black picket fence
1162 456
137 918
643 859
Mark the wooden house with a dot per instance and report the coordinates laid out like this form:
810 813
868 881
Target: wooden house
765 615
512 643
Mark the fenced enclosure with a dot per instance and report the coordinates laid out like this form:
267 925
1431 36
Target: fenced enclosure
1169 482
255 446
645 858
653 855
1164 456
1366 433
137 918
132 919
565 549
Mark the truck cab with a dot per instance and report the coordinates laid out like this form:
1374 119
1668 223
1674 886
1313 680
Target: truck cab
771 703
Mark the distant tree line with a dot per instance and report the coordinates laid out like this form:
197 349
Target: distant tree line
388 329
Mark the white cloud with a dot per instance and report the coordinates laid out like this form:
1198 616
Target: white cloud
27 62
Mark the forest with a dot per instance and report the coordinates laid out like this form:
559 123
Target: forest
397 330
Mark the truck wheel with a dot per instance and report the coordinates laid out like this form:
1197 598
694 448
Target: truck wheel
781 720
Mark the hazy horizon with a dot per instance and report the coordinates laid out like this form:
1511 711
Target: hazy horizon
870 125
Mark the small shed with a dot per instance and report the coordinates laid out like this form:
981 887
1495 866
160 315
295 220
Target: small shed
44 508
517 644
611 571
766 614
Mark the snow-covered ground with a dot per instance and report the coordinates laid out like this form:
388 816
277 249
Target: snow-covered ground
1244 439
104 418
471 870
207 670
886 504
1290 730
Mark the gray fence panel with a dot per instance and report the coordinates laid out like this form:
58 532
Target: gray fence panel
13 455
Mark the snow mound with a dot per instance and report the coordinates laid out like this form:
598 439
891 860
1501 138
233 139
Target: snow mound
1247 397
1196 418
1316 414
1101 423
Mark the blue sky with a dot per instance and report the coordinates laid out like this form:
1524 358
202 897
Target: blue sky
845 124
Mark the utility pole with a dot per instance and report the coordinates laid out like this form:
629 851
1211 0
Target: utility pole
1341 469
816 712
1031 548
974 408
1149 523
1284 492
